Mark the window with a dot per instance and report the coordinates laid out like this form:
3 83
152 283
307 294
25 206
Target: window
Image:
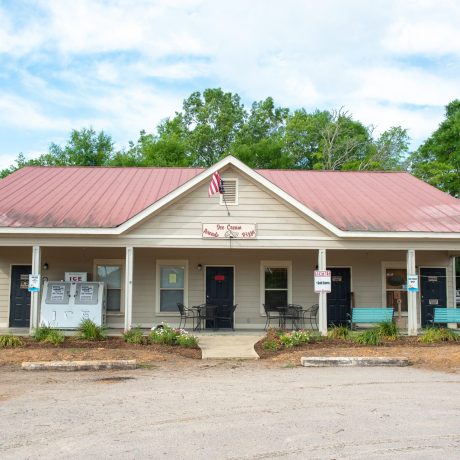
111 274
172 283
275 283
230 195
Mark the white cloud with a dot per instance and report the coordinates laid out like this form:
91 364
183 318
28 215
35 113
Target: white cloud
123 66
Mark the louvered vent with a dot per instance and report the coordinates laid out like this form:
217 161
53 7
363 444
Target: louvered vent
230 192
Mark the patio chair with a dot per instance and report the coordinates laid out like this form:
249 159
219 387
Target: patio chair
208 316
293 313
186 313
224 314
311 315
272 313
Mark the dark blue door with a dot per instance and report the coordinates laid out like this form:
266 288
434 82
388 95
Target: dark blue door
433 292
219 290
339 299
20 296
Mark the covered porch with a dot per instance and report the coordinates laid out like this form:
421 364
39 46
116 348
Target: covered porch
144 285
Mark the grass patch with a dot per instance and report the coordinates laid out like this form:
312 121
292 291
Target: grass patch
338 332
10 341
134 335
388 331
369 337
439 334
47 334
89 330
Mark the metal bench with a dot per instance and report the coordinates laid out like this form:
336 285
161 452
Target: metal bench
370 315
446 315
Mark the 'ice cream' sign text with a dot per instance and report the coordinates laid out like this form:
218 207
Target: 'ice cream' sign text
237 231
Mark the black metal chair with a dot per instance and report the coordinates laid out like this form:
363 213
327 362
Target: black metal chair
207 315
294 313
272 313
311 314
186 313
224 314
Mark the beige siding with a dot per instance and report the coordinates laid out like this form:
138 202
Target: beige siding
186 216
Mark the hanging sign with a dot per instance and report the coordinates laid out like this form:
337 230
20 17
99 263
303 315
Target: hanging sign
34 283
237 231
412 283
322 281
219 278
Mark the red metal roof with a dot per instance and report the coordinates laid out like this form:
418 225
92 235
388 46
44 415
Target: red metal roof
83 197
47 197
371 201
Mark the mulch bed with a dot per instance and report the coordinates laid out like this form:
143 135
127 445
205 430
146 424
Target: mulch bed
444 356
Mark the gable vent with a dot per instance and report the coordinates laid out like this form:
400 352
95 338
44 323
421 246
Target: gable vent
230 192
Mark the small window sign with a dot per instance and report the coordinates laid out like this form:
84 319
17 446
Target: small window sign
34 283
337 279
24 282
172 278
219 278
433 279
433 302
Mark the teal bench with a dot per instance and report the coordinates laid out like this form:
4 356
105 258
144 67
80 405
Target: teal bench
371 315
446 315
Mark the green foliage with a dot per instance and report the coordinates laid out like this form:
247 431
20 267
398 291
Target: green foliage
134 335
166 335
437 161
388 331
338 332
187 340
10 341
295 338
369 337
88 330
54 336
439 334
41 333
271 344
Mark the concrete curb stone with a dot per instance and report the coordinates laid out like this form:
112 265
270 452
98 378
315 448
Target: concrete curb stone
79 365
343 361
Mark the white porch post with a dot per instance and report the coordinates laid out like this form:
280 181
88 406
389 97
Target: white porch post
129 287
411 296
322 312
35 296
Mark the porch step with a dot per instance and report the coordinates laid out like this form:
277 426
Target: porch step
228 346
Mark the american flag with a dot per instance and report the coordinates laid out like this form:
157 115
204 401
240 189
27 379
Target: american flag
216 184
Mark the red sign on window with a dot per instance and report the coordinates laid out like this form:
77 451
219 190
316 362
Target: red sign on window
219 278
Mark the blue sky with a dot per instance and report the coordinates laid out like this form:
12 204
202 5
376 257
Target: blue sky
122 66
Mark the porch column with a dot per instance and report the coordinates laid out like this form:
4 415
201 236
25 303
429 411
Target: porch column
322 312
129 287
35 296
411 295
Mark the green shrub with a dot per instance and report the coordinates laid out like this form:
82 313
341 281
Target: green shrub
294 338
271 344
388 331
41 333
369 337
187 340
55 336
439 334
89 330
338 332
134 335
166 335
10 341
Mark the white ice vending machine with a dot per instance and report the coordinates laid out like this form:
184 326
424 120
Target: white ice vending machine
65 304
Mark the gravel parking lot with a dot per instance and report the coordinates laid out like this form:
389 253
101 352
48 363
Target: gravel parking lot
230 410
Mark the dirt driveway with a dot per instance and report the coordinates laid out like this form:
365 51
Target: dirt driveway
196 409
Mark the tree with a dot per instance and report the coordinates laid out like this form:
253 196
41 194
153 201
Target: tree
259 142
84 148
437 160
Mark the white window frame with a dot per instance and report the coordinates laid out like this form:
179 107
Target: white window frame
122 264
274 264
222 202
170 263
